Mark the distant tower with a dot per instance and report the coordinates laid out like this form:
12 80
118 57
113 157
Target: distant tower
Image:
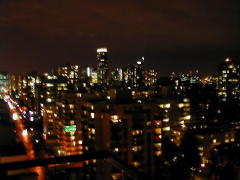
140 62
139 76
228 80
133 75
102 68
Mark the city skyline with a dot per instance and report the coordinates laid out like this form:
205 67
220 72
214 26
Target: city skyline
38 36
175 127
120 90
111 67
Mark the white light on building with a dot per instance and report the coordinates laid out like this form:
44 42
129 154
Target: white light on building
25 132
102 50
15 116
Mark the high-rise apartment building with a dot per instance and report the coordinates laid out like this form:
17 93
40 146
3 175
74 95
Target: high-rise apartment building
150 77
71 72
102 67
228 84
184 81
4 80
132 131
134 75
15 85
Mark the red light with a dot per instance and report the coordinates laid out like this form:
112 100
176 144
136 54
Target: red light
228 60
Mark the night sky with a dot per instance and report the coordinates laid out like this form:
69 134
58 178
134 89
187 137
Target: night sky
173 35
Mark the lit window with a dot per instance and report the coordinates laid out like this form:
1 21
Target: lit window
166 120
180 105
166 128
187 117
49 85
158 130
167 106
115 119
158 153
136 132
71 106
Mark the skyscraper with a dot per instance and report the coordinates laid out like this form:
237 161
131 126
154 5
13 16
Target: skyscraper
228 80
4 80
102 68
133 74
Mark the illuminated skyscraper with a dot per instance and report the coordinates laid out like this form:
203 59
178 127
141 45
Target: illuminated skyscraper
71 72
133 74
150 77
4 80
228 80
102 69
184 81
117 74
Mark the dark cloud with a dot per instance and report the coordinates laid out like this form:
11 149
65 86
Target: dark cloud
172 35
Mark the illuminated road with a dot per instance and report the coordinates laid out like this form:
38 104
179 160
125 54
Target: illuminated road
23 135
19 117
26 139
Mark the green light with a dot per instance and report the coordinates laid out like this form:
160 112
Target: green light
71 128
